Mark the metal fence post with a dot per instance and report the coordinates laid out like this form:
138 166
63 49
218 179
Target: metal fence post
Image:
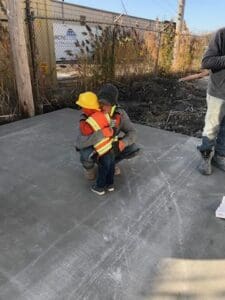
113 52
156 67
33 57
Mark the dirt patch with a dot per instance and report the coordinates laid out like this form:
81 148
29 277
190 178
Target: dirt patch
167 104
158 102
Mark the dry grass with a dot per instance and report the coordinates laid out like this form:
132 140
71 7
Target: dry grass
108 53
8 96
118 51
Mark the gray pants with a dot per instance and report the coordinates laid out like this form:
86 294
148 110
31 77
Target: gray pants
214 130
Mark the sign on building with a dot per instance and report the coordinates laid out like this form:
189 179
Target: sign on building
66 39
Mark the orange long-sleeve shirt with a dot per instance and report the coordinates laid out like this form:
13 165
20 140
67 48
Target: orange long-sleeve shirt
86 129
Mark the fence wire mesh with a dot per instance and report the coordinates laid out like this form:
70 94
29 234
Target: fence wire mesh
8 94
75 47
105 51
104 45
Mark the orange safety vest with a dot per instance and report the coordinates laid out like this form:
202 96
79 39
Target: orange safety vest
98 121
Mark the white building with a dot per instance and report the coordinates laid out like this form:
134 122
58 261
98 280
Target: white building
69 20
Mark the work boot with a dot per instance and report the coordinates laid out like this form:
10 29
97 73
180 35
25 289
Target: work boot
219 161
205 167
90 174
117 171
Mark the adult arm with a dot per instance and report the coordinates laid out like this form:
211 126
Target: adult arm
194 76
127 127
87 141
214 58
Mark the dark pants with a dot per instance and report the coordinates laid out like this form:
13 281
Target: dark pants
129 152
88 161
106 169
220 141
86 158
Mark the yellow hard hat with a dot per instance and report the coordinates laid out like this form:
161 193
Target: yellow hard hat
88 100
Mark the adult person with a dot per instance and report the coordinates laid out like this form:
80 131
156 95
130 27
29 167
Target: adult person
212 148
124 147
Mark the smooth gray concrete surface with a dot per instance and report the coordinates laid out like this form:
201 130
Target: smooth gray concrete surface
155 237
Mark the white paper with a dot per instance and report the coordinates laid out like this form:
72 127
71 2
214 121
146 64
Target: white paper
220 212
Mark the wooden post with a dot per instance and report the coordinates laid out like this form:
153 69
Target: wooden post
179 27
20 57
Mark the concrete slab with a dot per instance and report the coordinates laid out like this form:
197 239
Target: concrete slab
155 237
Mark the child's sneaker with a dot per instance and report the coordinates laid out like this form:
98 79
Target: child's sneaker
97 190
110 188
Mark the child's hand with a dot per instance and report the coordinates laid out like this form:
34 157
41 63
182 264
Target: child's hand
107 132
121 145
113 123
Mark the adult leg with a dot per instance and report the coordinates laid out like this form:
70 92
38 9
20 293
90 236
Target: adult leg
88 161
213 118
129 152
219 157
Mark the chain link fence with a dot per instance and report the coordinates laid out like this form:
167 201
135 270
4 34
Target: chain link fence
91 53
73 49
8 95
88 46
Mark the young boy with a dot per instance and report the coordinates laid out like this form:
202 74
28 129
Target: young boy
93 119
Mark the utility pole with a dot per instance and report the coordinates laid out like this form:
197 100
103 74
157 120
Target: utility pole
179 28
63 11
20 56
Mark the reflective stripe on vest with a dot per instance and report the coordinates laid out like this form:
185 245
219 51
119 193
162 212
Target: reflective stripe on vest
98 121
91 121
104 146
112 110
